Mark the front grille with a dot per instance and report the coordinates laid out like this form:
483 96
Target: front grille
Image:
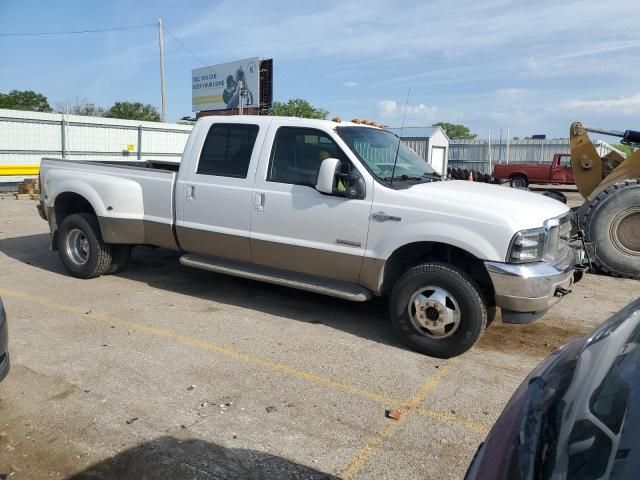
558 238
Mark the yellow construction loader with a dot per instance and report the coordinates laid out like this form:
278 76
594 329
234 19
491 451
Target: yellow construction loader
610 216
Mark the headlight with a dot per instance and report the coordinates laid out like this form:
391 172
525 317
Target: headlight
527 246
548 243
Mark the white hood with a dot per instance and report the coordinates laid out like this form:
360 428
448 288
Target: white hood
476 217
519 208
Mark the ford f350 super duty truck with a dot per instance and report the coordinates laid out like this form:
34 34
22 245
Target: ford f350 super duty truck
338 208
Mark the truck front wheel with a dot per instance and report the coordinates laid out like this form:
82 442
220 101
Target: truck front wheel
81 248
437 310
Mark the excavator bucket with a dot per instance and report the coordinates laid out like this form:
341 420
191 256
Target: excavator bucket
594 173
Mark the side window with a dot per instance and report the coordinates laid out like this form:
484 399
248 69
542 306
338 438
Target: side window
297 154
227 150
565 161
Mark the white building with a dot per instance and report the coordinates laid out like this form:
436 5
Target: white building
431 143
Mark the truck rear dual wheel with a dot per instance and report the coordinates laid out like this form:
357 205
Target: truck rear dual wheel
81 248
120 256
438 310
611 223
84 253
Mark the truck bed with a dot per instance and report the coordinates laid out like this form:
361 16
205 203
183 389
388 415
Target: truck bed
134 201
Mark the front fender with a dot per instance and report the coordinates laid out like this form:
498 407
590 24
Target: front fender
482 246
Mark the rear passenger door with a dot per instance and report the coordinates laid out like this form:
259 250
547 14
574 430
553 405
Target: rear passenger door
295 227
213 200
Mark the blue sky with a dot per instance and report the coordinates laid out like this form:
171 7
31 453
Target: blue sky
532 67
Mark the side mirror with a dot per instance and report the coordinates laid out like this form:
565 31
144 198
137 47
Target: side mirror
355 185
326 182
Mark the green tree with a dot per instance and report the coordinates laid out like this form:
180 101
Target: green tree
297 107
455 130
628 149
82 107
24 100
133 111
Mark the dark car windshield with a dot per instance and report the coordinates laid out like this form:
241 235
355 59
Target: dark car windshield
377 149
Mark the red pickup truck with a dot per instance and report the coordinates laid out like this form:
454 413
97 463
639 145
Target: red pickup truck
519 175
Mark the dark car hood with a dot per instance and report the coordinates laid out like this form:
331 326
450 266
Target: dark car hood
574 403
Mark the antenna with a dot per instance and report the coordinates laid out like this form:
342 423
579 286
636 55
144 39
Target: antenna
404 117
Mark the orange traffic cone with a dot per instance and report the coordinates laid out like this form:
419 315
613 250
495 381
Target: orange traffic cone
470 177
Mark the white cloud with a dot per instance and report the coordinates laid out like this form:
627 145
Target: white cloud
351 84
390 109
387 107
375 28
627 105
510 92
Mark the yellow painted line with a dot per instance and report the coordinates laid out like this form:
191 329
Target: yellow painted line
206 345
10 170
450 418
380 397
411 404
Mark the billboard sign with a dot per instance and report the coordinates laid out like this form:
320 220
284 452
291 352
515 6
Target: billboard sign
218 87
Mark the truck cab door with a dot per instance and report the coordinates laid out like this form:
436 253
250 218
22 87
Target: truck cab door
213 197
561 170
293 226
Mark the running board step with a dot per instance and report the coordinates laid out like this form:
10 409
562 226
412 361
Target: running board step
333 288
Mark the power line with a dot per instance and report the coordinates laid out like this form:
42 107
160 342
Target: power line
75 32
183 45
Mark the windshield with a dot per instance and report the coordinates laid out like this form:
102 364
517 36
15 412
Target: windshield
377 149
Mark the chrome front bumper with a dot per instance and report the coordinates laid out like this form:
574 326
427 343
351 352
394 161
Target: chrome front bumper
526 291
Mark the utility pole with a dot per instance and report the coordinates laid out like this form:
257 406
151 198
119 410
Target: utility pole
163 92
508 145
490 154
241 98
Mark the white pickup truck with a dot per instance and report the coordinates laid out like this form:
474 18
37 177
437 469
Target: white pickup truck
338 208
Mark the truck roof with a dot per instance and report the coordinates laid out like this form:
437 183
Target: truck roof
262 119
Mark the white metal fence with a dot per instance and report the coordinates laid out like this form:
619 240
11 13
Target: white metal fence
480 155
26 137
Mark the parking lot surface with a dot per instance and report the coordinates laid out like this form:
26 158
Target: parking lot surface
168 372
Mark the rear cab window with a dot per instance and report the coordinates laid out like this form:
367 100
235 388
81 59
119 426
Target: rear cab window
227 150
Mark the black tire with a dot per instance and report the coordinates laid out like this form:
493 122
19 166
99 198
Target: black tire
611 223
120 256
518 181
465 294
98 258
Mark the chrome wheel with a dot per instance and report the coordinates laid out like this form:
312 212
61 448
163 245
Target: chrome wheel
434 312
77 247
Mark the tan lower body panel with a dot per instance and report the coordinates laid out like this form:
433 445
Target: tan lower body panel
214 244
371 274
137 232
321 263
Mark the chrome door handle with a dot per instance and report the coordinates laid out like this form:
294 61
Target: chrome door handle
383 217
258 201
190 192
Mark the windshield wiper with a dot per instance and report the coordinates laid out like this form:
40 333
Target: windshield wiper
433 175
417 178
